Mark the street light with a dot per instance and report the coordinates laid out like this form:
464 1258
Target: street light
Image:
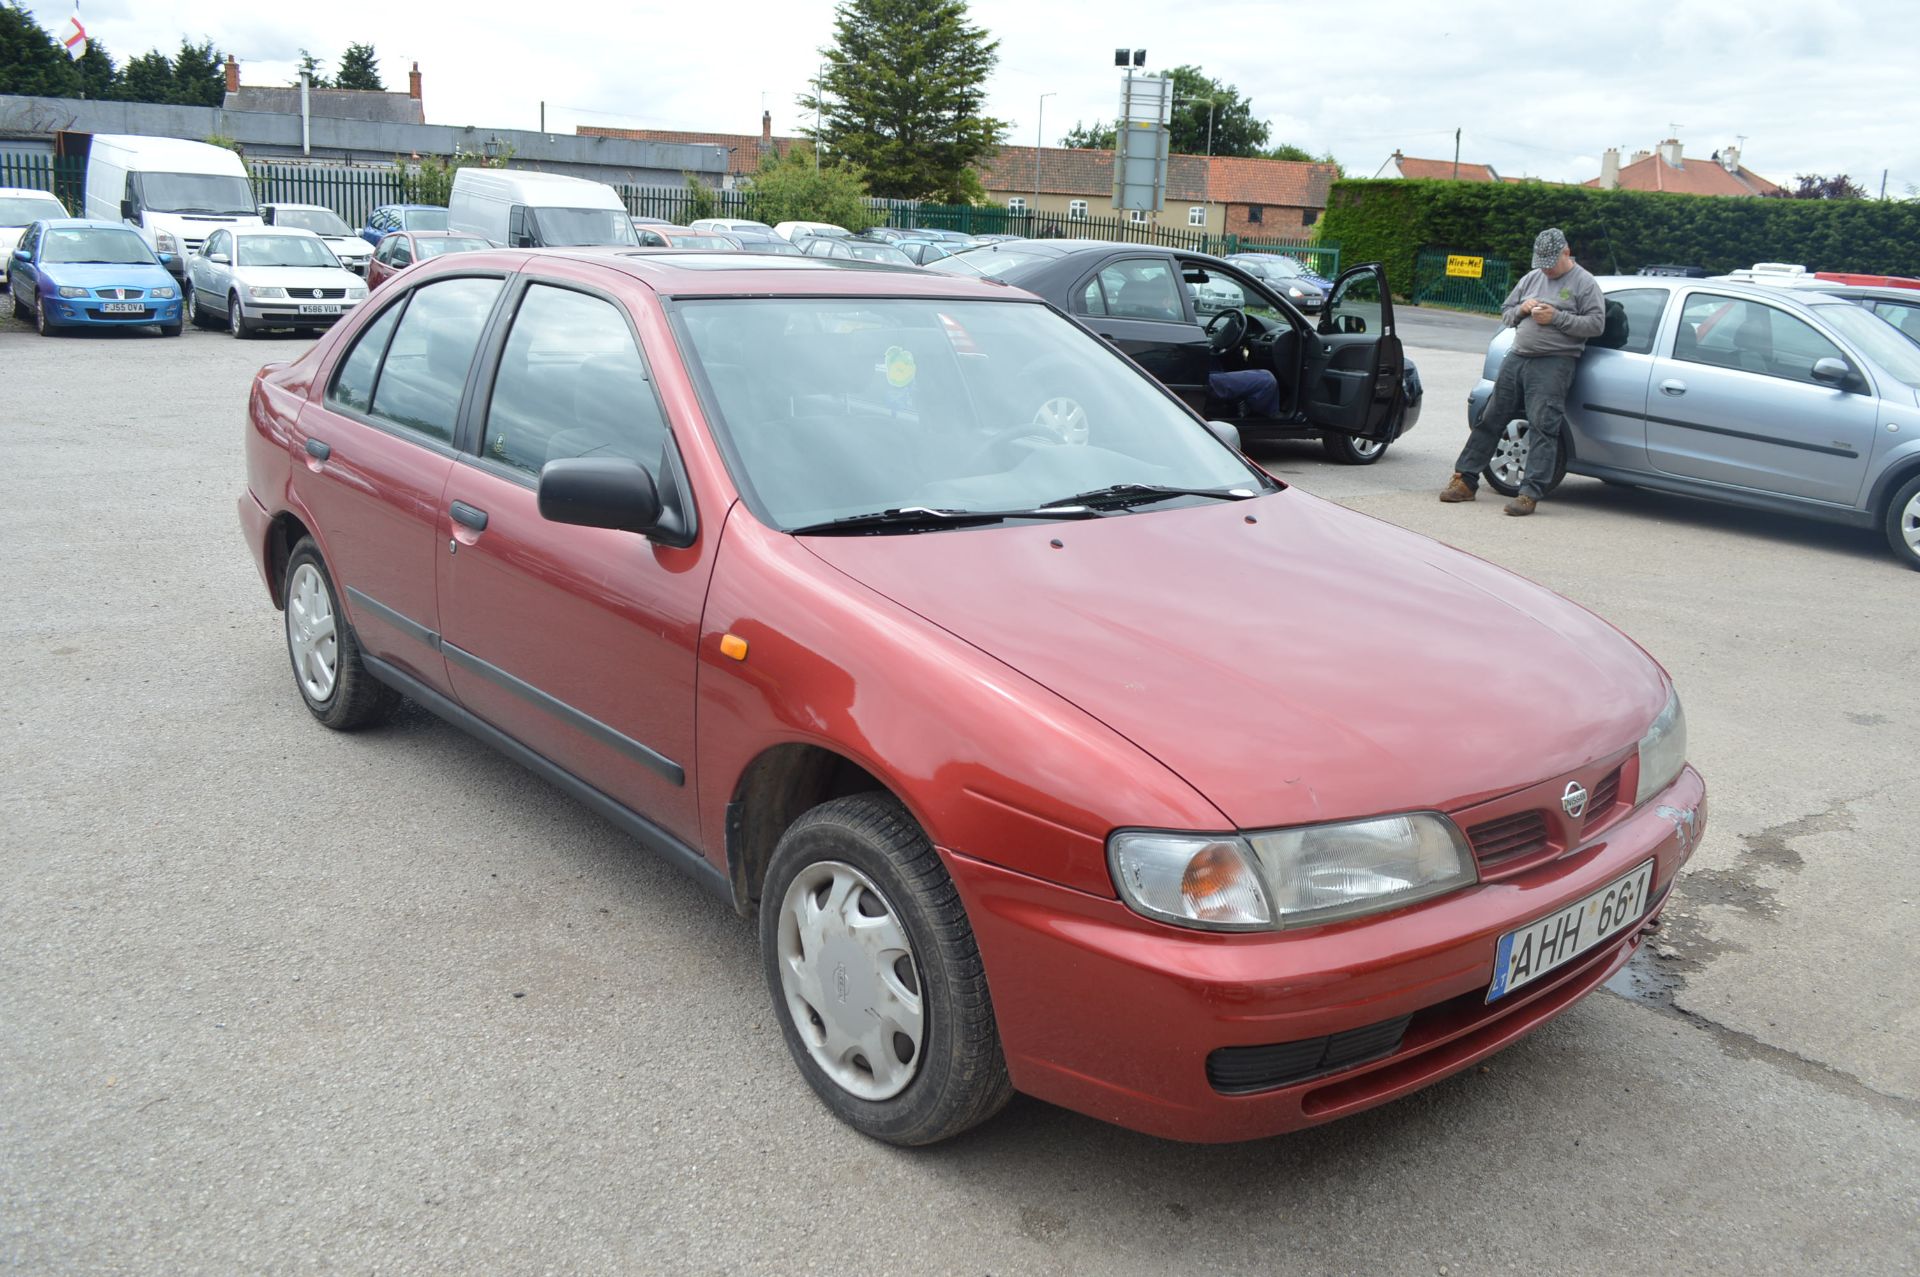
1040 115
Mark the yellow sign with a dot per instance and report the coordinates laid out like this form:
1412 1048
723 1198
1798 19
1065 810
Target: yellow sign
1465 267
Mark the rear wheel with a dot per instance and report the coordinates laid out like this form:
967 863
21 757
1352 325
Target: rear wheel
1508 469
1903 523
20 310
875 976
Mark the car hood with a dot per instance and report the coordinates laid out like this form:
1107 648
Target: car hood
1290 659
291 277
105 275
348 245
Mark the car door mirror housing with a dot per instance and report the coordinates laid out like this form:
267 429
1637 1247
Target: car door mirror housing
600 492
167 259
1832 372
1352 324
126 210
220 259
1226 432
22 255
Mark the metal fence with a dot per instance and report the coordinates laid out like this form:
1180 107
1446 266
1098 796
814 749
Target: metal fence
64 176
350 192
1463 281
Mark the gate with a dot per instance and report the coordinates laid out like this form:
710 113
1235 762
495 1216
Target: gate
1462 281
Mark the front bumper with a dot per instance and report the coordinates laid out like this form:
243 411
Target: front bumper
287 314
88 312
1103 1011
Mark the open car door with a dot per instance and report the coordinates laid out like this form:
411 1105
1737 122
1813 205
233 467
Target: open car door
1354 367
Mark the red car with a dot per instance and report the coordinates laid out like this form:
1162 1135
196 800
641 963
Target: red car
401 249
1054 746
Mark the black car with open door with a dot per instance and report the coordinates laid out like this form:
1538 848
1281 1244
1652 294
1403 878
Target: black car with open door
1180 315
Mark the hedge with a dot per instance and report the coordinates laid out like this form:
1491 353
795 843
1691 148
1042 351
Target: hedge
1616 231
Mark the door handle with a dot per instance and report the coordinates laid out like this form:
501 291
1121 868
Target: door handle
319 451
469 517
1673 387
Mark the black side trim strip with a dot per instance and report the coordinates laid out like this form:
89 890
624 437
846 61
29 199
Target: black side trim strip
399 621
679 854
566 713
1613 412
1742 434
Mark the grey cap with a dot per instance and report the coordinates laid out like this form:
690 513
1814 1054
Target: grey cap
1547 247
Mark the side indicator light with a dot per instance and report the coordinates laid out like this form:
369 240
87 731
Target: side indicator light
734 646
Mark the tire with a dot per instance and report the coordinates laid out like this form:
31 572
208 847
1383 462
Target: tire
20 310
1508 469
867 852
173 330
41 324
1350 451
237 319
330 678
1902 523
201 316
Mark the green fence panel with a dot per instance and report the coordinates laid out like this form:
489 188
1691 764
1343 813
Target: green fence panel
351 192
64 177
1462 290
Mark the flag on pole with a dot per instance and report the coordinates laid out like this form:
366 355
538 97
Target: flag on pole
75 38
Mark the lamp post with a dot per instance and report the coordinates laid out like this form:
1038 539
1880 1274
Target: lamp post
1039 116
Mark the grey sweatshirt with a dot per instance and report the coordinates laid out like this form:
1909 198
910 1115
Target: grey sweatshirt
1580 312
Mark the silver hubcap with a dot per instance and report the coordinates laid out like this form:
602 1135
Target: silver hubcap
1510 455
1910 524
849 978
234 319
312 634
1063 418
1368 447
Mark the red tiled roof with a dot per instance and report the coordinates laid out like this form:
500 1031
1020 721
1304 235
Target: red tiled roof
1445 170
744 149
1692 177
1088 173
1288 183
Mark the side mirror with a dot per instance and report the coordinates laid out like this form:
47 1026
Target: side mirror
599 492
1832 372
219 259
1226 432
22 255
126 210
1352 324
167 259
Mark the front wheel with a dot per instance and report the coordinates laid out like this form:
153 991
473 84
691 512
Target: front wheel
1508 469
1351 451
1903 523
41 324
875 976
237 319
174 329
324 650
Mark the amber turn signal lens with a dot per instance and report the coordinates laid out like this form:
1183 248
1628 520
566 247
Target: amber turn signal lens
734 646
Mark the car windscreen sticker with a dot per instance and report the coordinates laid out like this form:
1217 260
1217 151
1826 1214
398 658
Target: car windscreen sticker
900 367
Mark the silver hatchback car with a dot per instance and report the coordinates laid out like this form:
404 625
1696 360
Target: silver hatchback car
1789 401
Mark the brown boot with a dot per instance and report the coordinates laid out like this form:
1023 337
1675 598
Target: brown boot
1458 490
1521 505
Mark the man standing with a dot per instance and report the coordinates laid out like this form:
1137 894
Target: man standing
1556 307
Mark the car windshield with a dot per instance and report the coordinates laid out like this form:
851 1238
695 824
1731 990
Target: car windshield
876 253
565 227
1877 339
196 193
986 260
282 250
425 219
702 243
834 408
106 244
18 210
425 248
1278 264
320 221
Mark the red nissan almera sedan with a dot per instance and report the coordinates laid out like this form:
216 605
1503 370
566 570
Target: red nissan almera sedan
1055 747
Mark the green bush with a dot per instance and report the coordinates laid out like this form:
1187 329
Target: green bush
1615 231
792 189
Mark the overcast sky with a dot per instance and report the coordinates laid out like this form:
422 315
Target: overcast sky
1536 90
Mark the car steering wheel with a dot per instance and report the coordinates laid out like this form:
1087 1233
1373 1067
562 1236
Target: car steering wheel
1060 420
1227 329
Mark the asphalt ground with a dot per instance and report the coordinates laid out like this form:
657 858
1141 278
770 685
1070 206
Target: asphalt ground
278 1000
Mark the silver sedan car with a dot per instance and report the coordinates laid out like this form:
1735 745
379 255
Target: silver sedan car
1796 402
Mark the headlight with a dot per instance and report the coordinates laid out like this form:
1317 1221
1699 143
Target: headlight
73 292
1663 750
266 293
164 294
164 242
1294 292
1290 877
356 292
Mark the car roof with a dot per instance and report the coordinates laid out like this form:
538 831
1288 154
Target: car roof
289 231
83 223
1797 295
1878 292
15 191
745 274
304 208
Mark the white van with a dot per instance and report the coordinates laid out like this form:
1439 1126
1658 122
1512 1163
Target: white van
174 192
524 209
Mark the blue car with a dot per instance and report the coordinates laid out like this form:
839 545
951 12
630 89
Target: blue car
72 272
388 218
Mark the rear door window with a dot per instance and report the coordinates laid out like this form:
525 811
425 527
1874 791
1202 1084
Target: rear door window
425 370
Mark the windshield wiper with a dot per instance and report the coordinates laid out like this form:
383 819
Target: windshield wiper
1126 494
919 518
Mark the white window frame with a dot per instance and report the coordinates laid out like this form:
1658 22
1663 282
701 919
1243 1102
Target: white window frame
1076 210
1017 204
1197 215
1138 216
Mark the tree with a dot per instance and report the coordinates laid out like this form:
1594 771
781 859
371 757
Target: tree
99 78
430 180
1235 131
359 69
315 71
198 77
147 78
904 96
1301 155
31 62
700 201
1089 137
792 188
1813 186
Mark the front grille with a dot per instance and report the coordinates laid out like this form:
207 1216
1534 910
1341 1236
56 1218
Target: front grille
119 294
1238 1069
315 294
1605 795
1495 842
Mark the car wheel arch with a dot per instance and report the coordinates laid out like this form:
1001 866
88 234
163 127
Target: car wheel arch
286 531
1892 478
780 785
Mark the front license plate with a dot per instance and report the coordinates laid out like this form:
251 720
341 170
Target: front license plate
122 308
319 310
1553 941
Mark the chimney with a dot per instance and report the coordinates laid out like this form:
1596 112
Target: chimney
766 128
1638 156
1610 168
413 82
1670 152
233 75
1730 159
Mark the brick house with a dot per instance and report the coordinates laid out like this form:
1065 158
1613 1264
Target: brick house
744 150
340 104
1407 166
1277 198
1666 169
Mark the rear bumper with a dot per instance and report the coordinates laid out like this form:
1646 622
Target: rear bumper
1107 1013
